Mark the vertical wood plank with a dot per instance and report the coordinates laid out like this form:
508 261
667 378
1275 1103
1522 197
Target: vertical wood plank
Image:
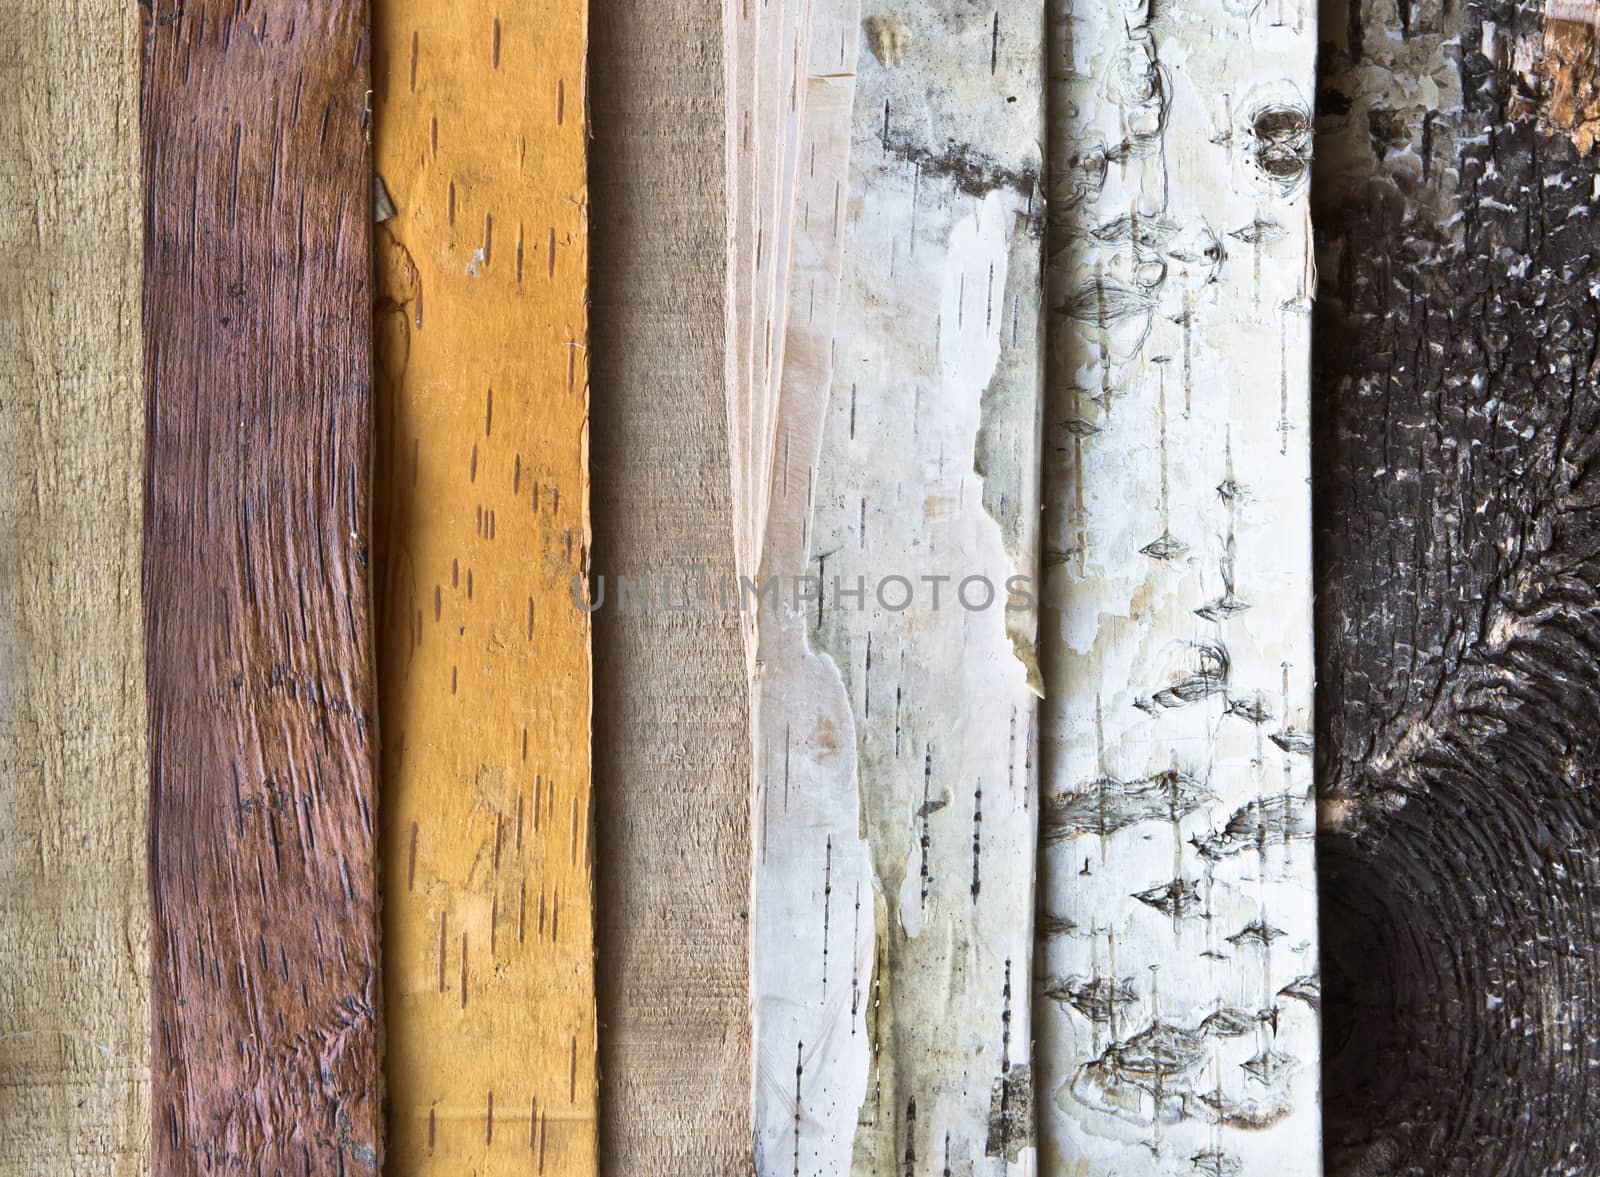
265 986
671 724
482 349
74 926
895 430
1457 459
1178 957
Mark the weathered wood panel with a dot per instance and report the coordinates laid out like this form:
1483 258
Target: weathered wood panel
893 766
74 927
1178 971
671 722
1458 586
483 378
265 987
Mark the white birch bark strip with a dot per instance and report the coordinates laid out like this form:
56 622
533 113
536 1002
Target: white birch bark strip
766 51
783 49
749 41
1178 999
811 1050
895 789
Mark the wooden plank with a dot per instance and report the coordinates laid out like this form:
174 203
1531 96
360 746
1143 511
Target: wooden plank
1178 961
671 721
74 926
893 744
1458 589
485 663
265 989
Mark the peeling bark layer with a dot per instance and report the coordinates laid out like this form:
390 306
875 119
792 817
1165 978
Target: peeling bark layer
894 432
806 1113
1459 591
1178 971
481 343
265 989
74 924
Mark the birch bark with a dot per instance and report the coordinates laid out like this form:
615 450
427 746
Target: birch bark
1178 972
893 764
485 660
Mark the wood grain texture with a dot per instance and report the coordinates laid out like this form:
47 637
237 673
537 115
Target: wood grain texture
1458 452
1179 976
671 721
485 664
265 986
74 918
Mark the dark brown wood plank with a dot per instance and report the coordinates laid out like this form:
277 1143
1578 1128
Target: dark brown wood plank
265 990
1458 472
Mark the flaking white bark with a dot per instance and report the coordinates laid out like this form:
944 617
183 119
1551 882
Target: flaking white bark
897 436
810 1054
1178 943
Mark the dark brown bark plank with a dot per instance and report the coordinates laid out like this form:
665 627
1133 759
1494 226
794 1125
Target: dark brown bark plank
1458 472
671 725
265 994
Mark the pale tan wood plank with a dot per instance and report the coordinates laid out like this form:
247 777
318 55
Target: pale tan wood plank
671 728
74 977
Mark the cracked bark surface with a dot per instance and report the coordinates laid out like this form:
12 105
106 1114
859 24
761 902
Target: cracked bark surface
1457 445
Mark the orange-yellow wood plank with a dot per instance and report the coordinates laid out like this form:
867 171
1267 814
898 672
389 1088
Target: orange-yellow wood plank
484 660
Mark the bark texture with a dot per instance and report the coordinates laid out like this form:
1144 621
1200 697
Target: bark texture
888 401
671 721
265 988
1458 445
481 340
1179 979
74 922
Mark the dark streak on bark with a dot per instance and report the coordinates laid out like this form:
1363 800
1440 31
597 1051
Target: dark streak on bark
1458 472
969 171
265 995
